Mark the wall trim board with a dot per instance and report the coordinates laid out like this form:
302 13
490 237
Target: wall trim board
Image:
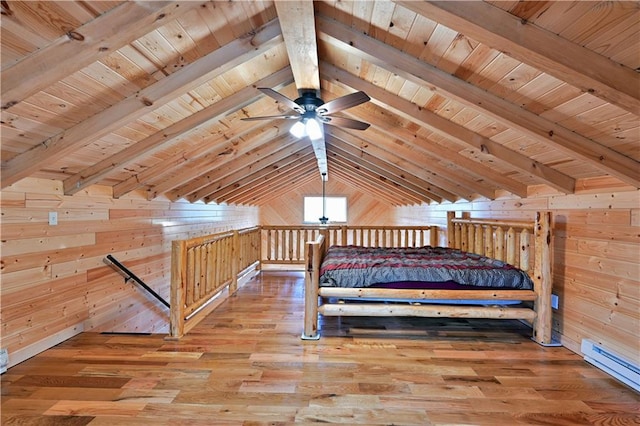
34 349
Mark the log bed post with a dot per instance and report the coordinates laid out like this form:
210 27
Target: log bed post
313 254
542 325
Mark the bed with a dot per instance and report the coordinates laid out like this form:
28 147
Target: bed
365 288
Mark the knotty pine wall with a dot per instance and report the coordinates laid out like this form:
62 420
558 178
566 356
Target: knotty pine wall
362 208
54 281
596 257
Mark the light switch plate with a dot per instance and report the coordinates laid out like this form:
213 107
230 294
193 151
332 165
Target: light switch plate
53 218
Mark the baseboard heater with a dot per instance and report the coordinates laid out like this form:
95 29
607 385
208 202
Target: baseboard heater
617 366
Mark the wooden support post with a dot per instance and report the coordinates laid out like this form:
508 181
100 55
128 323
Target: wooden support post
313 253
450 230
258 247
178 278
542 326
433 236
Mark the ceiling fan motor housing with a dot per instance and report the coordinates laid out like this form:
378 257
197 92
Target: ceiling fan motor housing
309 100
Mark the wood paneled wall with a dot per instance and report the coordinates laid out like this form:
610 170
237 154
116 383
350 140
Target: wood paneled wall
596 257
54 280
362 208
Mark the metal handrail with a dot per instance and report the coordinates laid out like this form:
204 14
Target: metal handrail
131 276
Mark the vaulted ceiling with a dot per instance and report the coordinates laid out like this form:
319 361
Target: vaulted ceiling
468 99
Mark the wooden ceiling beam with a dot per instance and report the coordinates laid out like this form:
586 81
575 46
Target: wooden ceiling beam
287 180
86 44
297 21
364 178
373 188
182 166
244 170
386 170
238 172
449 129
533 45
278 188
164 177
367 176
264 176
205 170
141 103
376 191
552 134
398 156
164 138
358 148
450 170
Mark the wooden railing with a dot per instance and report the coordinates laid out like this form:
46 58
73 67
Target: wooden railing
508 241
201 268
285 245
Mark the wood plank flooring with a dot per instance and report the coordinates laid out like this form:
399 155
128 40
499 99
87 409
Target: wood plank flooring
246 365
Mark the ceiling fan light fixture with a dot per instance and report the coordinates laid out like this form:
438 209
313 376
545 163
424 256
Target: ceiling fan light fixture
298 130
313 129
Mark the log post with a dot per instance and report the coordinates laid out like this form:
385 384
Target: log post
258 248
178 277
450 230
313 253
433 236
542 326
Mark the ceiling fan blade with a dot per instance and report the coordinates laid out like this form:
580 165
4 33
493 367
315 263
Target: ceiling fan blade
272 117
345 122
343 102
281 98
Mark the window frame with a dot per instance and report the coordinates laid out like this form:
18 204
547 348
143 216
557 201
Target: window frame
327 198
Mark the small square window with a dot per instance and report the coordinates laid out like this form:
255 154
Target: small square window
335 209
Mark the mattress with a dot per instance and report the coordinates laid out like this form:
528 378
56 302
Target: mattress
423 267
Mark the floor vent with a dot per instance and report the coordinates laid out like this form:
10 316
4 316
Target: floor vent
619 367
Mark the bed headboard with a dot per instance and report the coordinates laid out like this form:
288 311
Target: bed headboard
511 241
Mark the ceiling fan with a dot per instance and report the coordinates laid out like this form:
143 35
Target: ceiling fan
313 111
297 22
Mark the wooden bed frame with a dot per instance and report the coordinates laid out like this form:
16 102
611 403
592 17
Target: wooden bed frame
523 244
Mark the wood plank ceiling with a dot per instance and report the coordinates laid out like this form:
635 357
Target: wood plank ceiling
468 99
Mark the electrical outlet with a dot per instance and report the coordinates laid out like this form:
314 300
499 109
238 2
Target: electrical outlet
53 218
554 301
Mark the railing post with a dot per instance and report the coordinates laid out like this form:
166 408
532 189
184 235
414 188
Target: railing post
258 248
433 236
235 261
313 251
178 277
451 229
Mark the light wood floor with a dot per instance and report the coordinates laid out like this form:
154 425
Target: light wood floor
245 364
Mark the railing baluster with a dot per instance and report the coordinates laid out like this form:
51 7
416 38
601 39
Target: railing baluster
511 242
499 246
